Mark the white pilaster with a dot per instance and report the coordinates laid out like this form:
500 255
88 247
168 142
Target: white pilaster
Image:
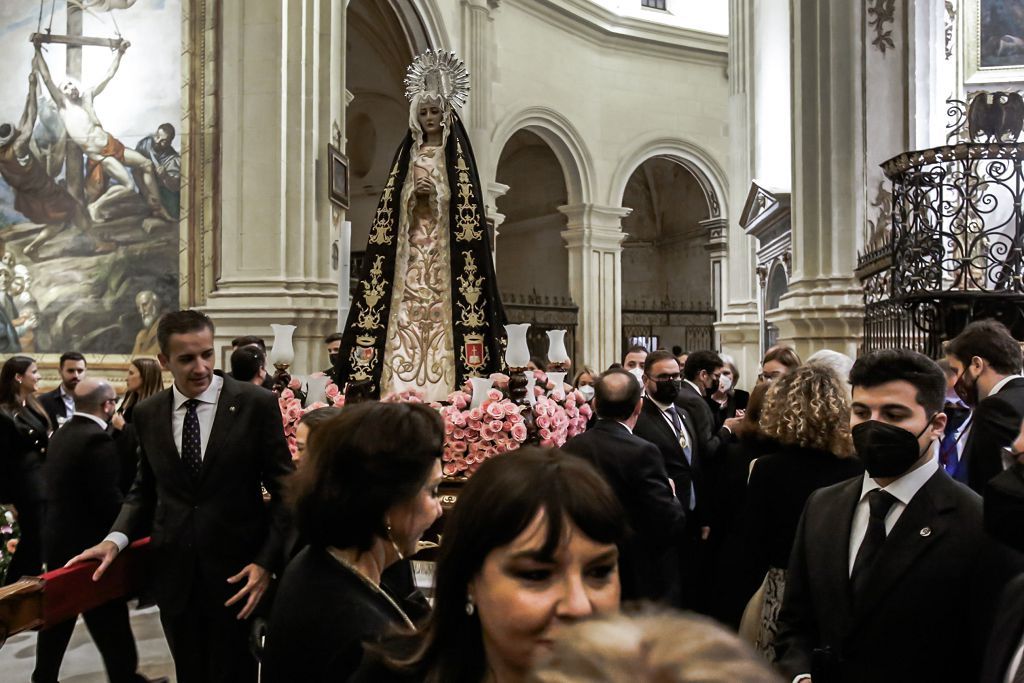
282 90
594 238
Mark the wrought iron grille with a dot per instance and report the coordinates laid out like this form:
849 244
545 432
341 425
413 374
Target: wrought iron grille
955 248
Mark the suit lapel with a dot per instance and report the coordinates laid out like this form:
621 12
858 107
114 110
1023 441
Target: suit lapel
223 421
658 419
835 548
919 528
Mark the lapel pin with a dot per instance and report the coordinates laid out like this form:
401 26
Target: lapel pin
231 409
926 532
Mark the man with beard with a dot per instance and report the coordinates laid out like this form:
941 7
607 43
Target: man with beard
167 164
987 361
148 306
884 562
107 156
60 403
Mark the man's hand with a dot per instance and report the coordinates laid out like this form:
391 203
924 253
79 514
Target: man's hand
740 413
705 531
105 552
732 423
257 579
117 421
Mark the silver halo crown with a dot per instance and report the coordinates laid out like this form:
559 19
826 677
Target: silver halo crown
439 73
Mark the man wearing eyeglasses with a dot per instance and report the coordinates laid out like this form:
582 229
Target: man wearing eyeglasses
83 500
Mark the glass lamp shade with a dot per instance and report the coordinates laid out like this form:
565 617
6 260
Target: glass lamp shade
517 355
316 389
556 347
282 351
531 382
558 379
480 387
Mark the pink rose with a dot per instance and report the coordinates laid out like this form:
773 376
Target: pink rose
294 383
449 469
496 426
459 447
519 432
287 395
332 390
459 433
476 414
494 394
496 411
500 380
511 408
544 433
543 422
507 426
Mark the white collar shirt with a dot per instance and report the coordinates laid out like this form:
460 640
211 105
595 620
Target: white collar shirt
628 428
903 490
98 420
695 387
1002 383
69 401
205 411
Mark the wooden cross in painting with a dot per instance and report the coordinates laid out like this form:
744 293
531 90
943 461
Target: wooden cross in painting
75 41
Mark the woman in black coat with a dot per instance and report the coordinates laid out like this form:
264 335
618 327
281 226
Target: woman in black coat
807 413
364 496
728 401
24 430
144 379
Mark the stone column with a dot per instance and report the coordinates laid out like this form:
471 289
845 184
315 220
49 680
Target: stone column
717 248
283 82
478 46
494 219
739 326
594 236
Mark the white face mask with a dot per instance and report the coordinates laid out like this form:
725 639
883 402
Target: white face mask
724 383
639 374
587 391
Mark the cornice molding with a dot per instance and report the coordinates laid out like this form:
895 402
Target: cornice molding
607 29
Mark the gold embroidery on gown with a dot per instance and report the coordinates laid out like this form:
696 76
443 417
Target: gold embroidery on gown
420 352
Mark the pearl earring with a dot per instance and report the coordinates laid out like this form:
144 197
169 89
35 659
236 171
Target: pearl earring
470 607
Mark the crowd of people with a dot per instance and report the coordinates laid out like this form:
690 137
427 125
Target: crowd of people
844 521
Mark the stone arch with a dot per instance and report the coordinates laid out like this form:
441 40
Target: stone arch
695 159
563 139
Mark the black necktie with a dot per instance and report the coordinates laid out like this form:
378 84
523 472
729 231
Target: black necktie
191 440
879 502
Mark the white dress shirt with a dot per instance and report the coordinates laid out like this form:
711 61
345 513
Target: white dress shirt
69 405
903 490
1002 383
205 411
98 420
1018 655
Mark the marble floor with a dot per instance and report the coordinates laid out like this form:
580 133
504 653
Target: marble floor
82 663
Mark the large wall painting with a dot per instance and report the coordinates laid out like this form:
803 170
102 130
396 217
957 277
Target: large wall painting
993 41
90 177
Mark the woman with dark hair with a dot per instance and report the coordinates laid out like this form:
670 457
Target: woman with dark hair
808 414
23 440
144 379
529 549
364 496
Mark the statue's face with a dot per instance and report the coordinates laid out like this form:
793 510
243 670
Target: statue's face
17 286
429 116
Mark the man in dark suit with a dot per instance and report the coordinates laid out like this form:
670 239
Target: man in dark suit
886 566
205 447
1004 520
636 472
333 344
83 500
671 429
987 360
700 379
59 404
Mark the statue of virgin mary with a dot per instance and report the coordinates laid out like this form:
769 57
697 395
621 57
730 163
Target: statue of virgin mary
426 314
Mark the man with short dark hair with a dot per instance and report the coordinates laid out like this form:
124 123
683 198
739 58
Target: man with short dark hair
248 364
59 404
700 379
333 344
205 447
248 340
987 361
885 561
634 469
634 357
83 499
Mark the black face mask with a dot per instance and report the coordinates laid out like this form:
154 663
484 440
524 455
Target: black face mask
967 391
333 358
666 391
713 388
886 450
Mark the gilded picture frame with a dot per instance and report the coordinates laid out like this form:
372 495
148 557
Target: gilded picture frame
992 43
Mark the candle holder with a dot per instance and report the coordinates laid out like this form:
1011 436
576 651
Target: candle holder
282 354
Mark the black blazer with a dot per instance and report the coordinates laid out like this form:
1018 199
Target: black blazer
937 573
636 472
214 526
652 426
1007 631
23 444
82 494
709 439
54 406
779 486
995 423
322 615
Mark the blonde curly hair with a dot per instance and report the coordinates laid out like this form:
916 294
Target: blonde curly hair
808 408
